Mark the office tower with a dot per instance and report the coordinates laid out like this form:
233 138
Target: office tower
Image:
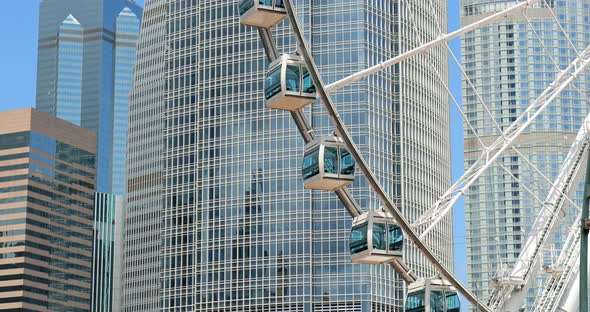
109 217
218 219
85 65
47 180
510 68
141 277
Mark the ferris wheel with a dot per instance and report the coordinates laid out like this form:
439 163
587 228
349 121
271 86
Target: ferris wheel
329 163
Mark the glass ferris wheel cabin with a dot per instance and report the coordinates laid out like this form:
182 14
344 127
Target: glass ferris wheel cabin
262 13
375 238
432 295
327 164
288 84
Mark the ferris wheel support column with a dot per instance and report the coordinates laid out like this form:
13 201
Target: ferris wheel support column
584 243
571 303
388 204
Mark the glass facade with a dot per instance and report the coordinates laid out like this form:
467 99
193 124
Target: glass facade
235 227
69 71
141 288
510 68
46 190
93 43
108 261
90 85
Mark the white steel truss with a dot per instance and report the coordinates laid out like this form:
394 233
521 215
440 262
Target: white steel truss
512 284
445 203
564 277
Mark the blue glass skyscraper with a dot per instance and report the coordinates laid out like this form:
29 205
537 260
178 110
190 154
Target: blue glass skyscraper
218 219
85 64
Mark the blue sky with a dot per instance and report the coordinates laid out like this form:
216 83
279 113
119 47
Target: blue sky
457 149
18 65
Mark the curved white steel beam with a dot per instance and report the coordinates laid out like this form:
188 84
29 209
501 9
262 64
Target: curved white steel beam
342 132
308 135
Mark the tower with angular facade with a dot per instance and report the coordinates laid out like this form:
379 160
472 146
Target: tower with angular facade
47 177
510 68
85 64
218 219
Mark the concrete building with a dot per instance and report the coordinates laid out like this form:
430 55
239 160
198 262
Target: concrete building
218 219
85 65
47 181
510 68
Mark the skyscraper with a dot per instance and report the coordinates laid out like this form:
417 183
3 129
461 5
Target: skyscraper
85 65
47 178
218 219
510 67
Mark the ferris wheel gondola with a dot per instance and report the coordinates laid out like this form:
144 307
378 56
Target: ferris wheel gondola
288 84
262 13
375 238
327 164
432 295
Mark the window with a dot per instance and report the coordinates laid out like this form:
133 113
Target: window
331 160
308 86
245 5
395 237
311 164
453 304
14 140
272 85
292 78
346 162
436 301
358 238
380 236
416 302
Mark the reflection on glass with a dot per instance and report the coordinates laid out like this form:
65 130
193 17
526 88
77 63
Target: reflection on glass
272 86
379 236
14 140
437 301
416 302
346 162
265 2
358 238
453 304
245 5
308 86
331 160
293 78
279 4
311 164
396 237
